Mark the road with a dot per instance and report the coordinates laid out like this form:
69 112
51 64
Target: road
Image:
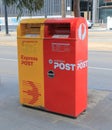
100 66
100 70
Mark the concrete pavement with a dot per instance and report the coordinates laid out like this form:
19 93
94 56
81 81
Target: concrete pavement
13 116
10 39
100 40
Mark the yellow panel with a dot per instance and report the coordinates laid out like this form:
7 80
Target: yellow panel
33 20
31 72
29 28
30 66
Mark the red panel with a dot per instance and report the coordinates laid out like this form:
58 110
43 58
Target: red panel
65 67
59 90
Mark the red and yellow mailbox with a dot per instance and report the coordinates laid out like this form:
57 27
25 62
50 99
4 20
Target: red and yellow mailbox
65 65
53 64
30 35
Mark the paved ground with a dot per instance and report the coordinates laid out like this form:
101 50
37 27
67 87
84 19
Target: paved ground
13 116
10 39
101 41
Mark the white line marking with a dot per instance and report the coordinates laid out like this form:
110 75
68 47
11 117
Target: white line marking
99 68
8 59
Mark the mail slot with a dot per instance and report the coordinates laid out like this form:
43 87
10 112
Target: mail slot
66 65
58 30
30 34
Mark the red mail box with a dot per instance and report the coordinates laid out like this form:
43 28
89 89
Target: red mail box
66 65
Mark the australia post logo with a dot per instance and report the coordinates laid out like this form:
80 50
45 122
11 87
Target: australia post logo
58 64
82 32
62 65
